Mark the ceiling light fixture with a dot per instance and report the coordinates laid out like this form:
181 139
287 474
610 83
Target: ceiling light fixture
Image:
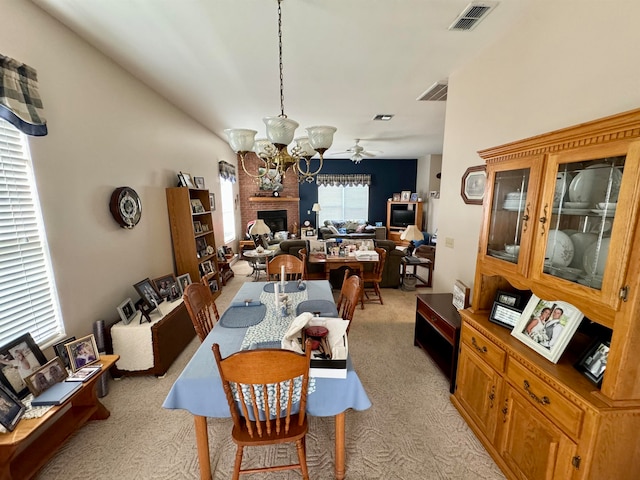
280 131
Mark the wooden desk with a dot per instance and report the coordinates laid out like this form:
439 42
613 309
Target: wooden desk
331 262
437 331
34 441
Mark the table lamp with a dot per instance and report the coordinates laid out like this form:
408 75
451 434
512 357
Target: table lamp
411 233
316 208
259 228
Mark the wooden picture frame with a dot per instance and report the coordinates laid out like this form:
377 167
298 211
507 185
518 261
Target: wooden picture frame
183 281
127 311
46 376
197 226
148 293
212 201
206 268
11 409
546 326
199 182
62 352
473 185
594 361
196 206
82 352
405 195
18 359
166 286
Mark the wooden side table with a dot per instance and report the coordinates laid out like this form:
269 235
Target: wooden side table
421 262
225 269
437 331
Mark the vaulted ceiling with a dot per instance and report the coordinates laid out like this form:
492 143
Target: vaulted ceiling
344 61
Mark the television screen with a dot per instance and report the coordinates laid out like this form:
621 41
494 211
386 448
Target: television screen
402 218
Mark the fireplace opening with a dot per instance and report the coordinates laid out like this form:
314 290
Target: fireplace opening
275 219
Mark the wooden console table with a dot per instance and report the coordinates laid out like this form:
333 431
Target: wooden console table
34 441
437 331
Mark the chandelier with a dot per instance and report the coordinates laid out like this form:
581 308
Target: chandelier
272 151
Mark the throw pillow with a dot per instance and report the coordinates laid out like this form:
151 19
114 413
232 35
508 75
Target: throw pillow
333 229
360 228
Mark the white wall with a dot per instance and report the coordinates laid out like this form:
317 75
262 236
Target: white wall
426 182
564 63
106 129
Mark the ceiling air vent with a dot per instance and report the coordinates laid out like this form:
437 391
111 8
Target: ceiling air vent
436 93
471 15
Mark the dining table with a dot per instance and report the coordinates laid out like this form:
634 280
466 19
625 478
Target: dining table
198 388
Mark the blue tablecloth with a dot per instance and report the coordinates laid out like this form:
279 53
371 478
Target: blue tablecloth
199 391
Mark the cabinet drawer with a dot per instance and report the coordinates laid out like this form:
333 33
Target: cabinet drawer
485 348
566 414
446 329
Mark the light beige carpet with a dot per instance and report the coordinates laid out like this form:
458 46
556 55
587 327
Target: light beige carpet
412 431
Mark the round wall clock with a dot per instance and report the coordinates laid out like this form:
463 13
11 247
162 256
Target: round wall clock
125 207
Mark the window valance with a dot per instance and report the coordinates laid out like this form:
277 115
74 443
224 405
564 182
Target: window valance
227 171
341 180
20 102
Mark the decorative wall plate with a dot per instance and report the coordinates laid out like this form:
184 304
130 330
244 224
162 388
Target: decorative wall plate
125 206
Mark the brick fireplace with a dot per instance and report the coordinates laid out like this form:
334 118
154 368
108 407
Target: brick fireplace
252 200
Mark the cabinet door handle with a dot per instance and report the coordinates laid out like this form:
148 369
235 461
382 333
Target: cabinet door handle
543 219
482 349
542 401
505 411
492 396
525 218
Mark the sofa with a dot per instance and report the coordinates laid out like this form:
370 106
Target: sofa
390 274
353 229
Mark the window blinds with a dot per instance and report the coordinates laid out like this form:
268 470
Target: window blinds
28 302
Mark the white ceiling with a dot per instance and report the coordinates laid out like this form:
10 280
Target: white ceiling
344 60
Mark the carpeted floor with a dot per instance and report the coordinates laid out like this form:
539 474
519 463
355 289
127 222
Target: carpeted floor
412 431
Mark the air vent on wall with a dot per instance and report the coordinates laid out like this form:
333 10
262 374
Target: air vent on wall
435 93
471 15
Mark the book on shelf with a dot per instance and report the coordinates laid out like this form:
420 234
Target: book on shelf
56 394
84 374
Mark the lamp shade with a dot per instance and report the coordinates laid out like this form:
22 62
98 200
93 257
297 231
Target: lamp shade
412 233
240 139
321 137
259 228
280 131
316 207
306 150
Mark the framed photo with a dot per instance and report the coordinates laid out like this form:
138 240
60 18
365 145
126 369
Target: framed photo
594 362
206 268
148 293
183 281
473 183
197 226
414 197
18 359
82 352
547 326
507 298
212 201
126 310
11 409
506 311
196 206
46 376
317 247
405 196
396 197
167 286
186 178
181 182
309 232
199 182
62 352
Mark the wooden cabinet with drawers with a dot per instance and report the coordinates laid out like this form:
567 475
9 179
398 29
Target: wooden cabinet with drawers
538 419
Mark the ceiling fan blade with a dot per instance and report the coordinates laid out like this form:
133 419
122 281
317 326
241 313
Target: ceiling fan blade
367 154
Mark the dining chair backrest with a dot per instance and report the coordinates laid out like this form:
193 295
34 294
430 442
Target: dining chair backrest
350 295
201 308
303 256
263 387
375 277
293 267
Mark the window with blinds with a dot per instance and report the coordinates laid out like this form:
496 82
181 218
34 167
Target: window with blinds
28 300
343 202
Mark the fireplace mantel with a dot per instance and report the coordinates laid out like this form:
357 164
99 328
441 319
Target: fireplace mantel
274 199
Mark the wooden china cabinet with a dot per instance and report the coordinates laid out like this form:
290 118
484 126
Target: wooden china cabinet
560 220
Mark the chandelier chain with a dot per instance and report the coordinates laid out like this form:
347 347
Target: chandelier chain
280 60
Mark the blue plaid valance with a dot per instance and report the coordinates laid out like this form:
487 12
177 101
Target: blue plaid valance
227 171
20 102
340 180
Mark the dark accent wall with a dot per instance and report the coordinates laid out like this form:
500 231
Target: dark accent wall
387 177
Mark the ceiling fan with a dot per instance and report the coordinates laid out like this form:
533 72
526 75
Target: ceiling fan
358 153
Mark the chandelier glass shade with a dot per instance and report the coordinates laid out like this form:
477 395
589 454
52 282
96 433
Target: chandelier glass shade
275 158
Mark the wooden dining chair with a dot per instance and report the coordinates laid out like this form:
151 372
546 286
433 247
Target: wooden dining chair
293 267
350 295
201 308
266 380
374 277
303 256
